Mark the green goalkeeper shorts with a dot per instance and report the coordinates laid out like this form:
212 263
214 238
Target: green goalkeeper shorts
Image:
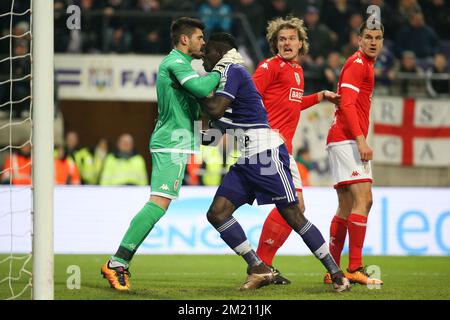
168 173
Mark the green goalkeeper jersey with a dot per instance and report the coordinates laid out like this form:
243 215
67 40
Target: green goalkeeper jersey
178 107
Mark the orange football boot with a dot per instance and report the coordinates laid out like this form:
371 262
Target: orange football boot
327 279
117 277
361 276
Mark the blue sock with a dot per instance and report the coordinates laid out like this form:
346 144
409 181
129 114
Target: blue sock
234 236
316 243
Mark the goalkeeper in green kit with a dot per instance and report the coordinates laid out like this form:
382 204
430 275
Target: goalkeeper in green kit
177 86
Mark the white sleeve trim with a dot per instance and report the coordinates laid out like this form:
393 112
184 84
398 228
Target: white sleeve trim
164 195
226 93
173 150
188 78
338 143
348 85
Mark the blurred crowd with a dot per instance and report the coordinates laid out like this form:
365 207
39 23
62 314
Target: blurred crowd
331 24
417 37
16 43
414 61
75 164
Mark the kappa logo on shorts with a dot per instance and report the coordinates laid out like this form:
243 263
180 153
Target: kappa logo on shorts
164 187
355 174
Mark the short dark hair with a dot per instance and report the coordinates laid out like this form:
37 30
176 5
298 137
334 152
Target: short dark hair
184 25
374 25
223 41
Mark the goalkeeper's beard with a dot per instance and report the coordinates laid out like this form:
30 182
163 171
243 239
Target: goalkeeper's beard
197 55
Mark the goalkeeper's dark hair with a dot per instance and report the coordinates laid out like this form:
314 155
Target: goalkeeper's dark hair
223 41
184 25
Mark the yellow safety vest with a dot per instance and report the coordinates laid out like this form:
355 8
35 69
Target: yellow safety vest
121 171
213 161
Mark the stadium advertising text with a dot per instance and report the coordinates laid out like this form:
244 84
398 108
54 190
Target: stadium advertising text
108 77
86 218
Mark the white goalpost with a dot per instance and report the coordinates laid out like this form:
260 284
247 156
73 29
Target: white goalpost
42 129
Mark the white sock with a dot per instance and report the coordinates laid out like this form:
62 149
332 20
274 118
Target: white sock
113 263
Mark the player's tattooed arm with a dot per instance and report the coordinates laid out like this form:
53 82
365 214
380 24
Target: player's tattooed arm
215 106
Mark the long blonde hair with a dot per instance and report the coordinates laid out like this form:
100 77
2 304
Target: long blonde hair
274 26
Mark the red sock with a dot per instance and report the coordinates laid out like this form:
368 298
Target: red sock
274 233
357 225
338 232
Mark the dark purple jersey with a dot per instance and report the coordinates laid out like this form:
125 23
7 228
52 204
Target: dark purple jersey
247 110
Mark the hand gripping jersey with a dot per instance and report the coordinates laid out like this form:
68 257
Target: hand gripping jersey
281 86
355 86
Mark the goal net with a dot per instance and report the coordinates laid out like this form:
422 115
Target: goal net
22 223
15 149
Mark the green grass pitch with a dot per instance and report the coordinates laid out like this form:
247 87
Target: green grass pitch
205 277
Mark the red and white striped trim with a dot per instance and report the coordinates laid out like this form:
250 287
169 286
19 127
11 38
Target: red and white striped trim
344 183
360 224
350 86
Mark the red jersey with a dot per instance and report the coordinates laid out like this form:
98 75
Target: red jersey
355 86
280 83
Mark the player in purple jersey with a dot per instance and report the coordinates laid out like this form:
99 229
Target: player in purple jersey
262 173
